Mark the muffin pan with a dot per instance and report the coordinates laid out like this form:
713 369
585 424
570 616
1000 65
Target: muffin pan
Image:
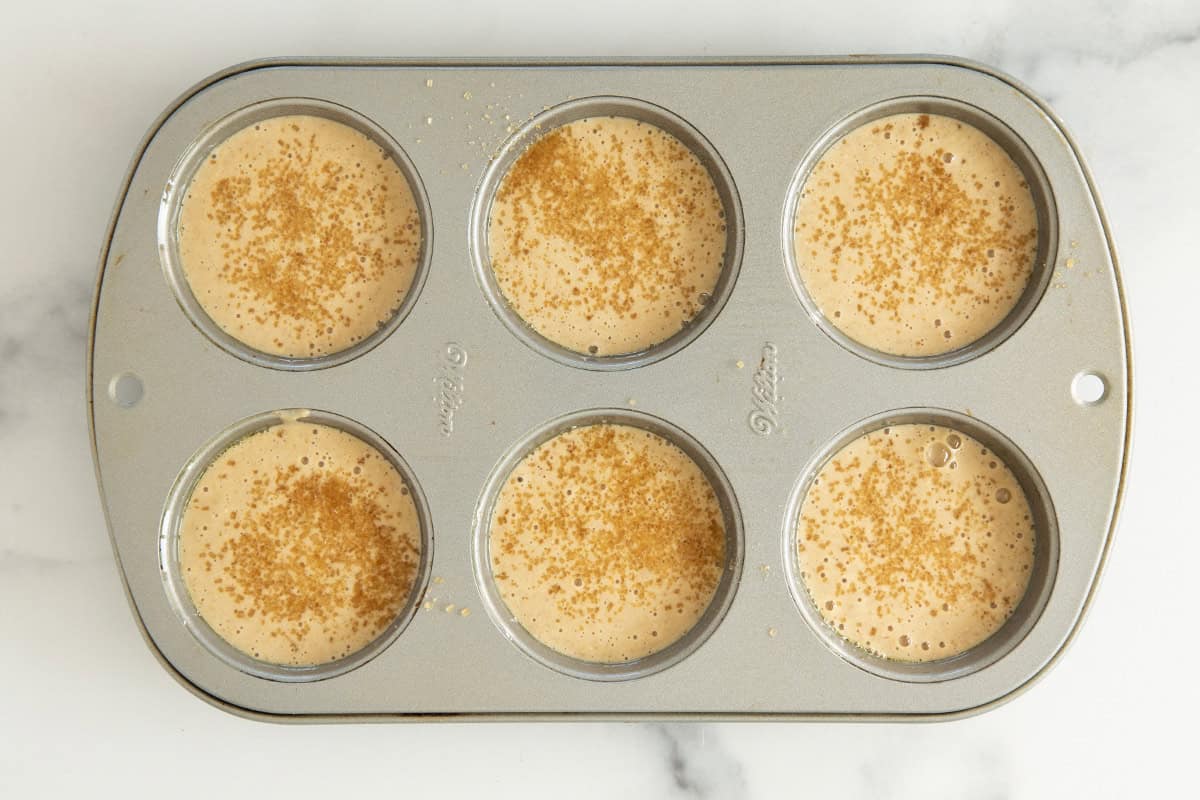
759 390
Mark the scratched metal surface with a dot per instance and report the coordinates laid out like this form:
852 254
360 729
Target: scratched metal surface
761 388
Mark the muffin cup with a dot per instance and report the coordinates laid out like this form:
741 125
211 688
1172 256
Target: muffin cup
655 662
1027 611
176 589
1039 186
181 178
515 147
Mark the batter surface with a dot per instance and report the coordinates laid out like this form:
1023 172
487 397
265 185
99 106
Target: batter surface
915 234
300 544
915 542
607 236
607 543
299 236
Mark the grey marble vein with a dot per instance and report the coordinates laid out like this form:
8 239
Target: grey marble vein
698 765
43 336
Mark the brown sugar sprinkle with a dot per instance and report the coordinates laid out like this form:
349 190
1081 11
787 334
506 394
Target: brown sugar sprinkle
604 522
309 231
605 223
311 552
914 229
890 535
314 545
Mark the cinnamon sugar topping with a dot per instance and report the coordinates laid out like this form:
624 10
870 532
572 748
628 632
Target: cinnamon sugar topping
915 543
607 235
607 543
300 544
916 234
299 236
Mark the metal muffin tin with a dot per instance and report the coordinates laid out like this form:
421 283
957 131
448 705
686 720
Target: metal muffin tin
759 389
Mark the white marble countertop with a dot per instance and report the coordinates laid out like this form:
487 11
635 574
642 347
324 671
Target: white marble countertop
85 705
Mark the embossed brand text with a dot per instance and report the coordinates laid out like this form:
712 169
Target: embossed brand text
764 419
449 385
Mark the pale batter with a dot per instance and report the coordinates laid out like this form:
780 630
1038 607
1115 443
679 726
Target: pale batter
299 236
300 544
607 543
915 234
915 542
607 236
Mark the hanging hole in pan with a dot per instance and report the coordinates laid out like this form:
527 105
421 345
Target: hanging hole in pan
126 390
1089 388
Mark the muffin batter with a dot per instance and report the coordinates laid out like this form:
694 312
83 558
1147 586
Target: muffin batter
915 234
607 236
300 544
607 543
299 236
915 542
